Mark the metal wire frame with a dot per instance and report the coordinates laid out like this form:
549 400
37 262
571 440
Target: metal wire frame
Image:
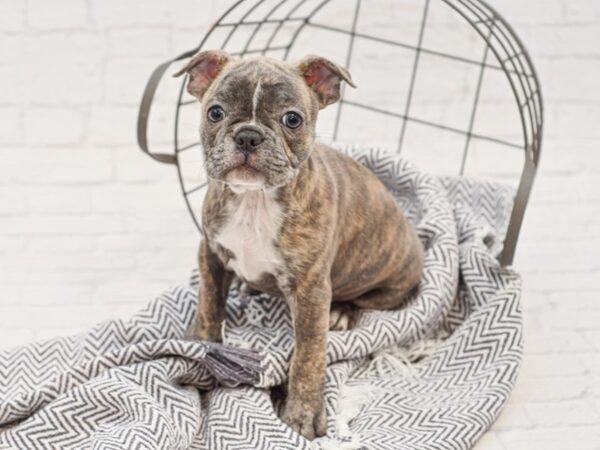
501 41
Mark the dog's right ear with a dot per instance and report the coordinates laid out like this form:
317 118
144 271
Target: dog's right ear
203 69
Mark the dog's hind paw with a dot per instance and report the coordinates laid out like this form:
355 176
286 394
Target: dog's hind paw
343 317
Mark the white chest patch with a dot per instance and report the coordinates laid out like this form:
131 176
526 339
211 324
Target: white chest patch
250 234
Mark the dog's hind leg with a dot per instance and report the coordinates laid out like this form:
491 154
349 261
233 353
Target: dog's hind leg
345 314
394 292
384 298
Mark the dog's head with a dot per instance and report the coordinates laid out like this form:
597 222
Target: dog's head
259 115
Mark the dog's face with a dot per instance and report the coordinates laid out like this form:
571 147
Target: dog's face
259 115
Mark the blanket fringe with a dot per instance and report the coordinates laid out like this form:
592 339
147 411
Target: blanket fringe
395 359
352 398
336 444
231 365
385 363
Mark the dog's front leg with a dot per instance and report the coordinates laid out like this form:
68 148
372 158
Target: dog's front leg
215 281
305 409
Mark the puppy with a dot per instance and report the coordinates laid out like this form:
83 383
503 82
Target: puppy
289 216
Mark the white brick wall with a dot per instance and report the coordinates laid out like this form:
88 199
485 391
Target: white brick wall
90 228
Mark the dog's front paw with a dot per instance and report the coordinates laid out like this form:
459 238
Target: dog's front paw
307 419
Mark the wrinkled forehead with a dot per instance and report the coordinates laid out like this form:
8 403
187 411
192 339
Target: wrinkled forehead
260 84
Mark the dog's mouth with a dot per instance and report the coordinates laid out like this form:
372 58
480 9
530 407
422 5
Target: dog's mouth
246 164
253 170
246 169
245 174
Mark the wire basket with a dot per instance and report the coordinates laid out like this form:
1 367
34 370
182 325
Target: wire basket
450 86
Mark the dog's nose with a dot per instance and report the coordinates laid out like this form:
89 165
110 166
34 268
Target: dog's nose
248 139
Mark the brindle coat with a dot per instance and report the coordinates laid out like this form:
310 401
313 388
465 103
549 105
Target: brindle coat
342 237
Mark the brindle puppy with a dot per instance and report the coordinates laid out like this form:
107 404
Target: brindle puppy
289 216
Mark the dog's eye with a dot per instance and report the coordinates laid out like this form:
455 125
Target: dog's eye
216 113
291 120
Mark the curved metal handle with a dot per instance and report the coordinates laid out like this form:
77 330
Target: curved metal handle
144 113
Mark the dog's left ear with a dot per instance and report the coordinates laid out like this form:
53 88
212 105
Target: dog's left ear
203 69
324 78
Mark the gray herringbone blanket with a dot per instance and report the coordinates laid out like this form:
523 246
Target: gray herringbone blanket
433 375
